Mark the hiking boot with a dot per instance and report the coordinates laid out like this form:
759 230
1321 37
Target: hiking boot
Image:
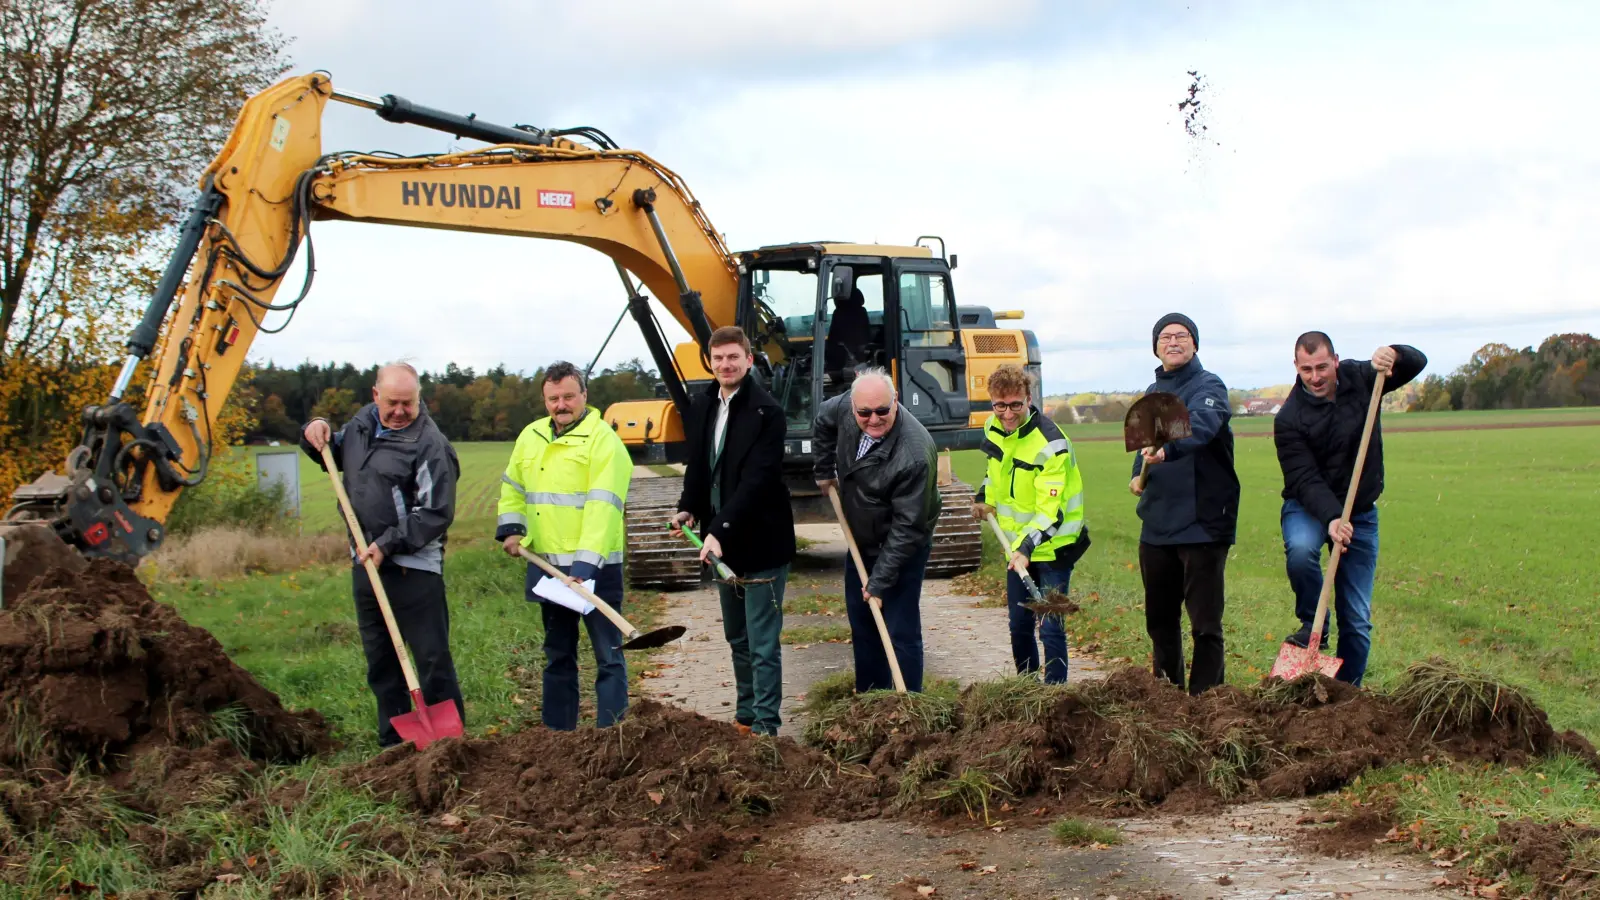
1301 638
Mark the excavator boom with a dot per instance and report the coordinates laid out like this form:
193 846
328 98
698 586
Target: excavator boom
252 224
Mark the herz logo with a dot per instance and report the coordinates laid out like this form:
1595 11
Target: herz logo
557 200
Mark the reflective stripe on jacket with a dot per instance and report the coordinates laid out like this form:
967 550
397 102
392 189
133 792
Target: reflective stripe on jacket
1034 485
566 494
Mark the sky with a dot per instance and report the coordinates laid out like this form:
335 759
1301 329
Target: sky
1390 172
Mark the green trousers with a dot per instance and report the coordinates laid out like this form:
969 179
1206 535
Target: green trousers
752 620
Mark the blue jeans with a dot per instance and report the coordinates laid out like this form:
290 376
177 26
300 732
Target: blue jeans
902 615
1304 537
560 701
1046 576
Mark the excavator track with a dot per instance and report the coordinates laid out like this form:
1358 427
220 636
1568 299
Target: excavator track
658 560
958 538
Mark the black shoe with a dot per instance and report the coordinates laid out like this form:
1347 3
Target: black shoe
1301 638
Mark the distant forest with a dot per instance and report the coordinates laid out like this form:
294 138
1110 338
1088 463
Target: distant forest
1562 371
497 404
467 406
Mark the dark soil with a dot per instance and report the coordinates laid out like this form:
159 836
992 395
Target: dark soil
665 782
93 670
31 551
1561 856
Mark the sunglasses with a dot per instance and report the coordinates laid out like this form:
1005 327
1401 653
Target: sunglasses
1012 406
881 412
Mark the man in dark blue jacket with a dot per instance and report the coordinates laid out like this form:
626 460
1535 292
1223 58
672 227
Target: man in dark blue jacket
1190 509
1318 433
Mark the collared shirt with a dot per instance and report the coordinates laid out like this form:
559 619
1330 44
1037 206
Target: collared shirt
722 417
867 443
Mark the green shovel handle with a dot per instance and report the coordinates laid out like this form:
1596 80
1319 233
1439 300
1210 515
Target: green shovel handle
722 569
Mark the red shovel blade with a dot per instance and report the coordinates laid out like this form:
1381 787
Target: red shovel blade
1294 661
426 724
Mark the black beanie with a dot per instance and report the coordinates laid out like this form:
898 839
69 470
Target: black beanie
1174 319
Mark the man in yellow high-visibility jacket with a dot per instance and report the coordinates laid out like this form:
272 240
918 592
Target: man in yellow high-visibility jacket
561 497
1034 489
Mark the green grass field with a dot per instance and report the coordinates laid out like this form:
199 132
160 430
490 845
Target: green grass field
1486 549
1486 557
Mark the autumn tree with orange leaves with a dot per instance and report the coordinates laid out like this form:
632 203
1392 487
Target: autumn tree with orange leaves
109 109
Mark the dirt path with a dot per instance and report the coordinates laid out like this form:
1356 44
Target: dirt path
1247 852
960 641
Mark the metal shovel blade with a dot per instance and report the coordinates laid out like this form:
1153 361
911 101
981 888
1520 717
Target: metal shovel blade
426 724
1155 419
1294 661
658 638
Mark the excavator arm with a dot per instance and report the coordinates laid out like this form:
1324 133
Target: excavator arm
251 225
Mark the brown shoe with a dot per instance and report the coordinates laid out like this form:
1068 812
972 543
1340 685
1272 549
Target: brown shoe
744 730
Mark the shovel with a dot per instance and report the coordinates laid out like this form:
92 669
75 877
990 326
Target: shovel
637 640
424 724
1153 420
873 603
721 568
1056 604
1292 661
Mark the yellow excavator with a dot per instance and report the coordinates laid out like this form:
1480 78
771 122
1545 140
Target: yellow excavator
815 311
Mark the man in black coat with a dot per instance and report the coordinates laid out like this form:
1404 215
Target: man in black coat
1190 510
733 492
1318 433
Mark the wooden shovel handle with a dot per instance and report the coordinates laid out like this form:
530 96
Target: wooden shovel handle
1349 505
628 631
872 602
332 466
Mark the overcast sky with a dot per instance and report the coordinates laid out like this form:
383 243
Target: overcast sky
1394 172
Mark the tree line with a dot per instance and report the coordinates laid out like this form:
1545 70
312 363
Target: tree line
467 406
1563 371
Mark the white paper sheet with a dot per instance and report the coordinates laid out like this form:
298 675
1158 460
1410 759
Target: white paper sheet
558 592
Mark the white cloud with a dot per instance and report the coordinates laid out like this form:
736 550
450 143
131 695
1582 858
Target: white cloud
1380 176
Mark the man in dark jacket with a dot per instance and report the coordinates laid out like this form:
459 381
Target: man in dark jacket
1190 509
733 492
884 465
1318 433
400 473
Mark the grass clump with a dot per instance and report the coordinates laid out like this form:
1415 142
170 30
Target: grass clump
1447 699
970 792
1078 833
815 634
230 551
1015 698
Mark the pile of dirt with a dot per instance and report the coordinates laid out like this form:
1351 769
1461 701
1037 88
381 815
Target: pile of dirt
1560 856
1134 741
663 782
93 670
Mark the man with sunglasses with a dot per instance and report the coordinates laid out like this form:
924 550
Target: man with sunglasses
1190 509
884 465
1034 490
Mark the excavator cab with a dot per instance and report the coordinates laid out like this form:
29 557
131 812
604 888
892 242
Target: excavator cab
818 313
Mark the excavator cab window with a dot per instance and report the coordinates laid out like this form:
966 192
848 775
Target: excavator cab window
853 328
783 303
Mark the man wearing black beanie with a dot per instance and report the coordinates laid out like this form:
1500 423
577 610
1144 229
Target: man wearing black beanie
1190 509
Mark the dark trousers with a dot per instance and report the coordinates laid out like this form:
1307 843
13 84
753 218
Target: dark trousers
902 615
559 705
418 601
1179 577
1047 577
752 621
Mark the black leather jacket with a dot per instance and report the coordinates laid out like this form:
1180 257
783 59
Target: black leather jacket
890 496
